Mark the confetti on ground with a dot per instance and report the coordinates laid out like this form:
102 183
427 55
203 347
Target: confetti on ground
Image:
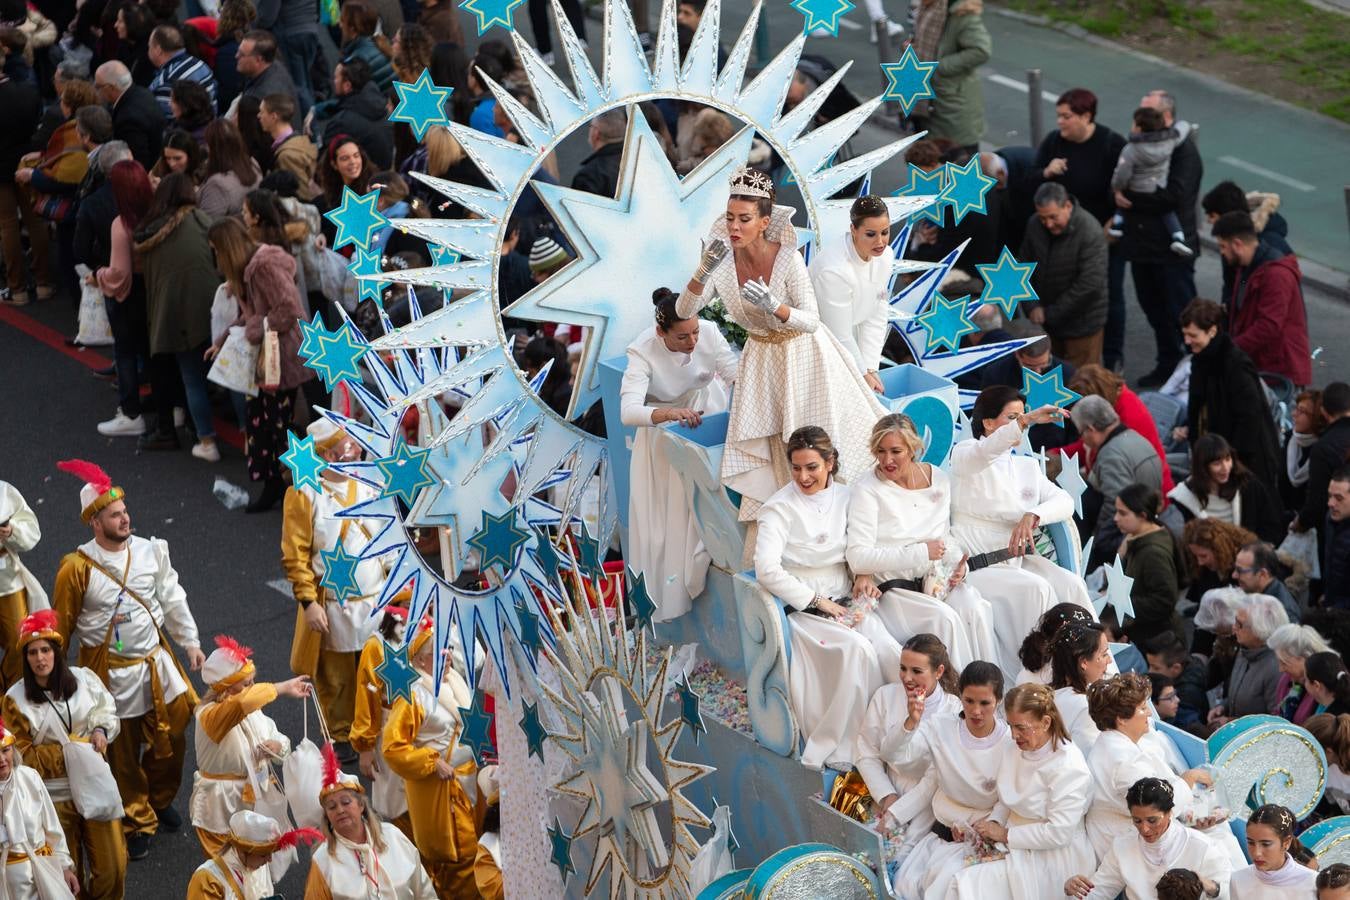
723 699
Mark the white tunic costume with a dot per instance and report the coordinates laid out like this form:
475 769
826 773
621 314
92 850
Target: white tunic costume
1117 763
1073 709
664 541
90 707
256 883
799 553
1042 796
1132 866
852 293
30 824
887 525
350 867
14 575
792 374
991 490
229 775
1292 882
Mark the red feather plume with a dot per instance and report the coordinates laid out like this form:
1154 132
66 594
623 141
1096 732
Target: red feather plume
293 837
236 650
88 472
332 771
42 620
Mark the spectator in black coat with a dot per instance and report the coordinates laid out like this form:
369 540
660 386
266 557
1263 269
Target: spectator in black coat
599 172
97 208
1011 167
1271 227
263 73
23 110
1080 154
359 110
1328 455
1336 542
1168 657
137 118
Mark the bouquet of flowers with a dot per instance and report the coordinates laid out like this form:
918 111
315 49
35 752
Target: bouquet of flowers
716 313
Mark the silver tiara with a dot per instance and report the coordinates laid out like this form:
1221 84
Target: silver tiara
748 182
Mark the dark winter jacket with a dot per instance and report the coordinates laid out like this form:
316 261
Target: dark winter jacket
1227 397
1090 166
1330 453
599 172
958 102
1154 562
23 111
275 79
1336 563
1070 274
1267 317
180 280
138 121
1146 239
381 71
363 116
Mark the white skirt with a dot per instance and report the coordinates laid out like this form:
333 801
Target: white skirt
963 621
1025 874
929 868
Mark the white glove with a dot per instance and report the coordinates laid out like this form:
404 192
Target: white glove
757 294
713 253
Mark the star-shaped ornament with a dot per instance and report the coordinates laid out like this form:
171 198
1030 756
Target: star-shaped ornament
396 673
530 636
305 464
946 322
367 262
689 711
421 104
588 556
1007 282
405 472
1118 589
535 733
492 12
357 218
909 80
310 332
499 540
561 853
339 573
1071 480
640 604
926 184
822 15
967 187
443 256
338 355
1047 390
477 721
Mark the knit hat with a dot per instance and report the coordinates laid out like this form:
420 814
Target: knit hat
325 433
228 664
41 625
98 492
334 779
252 832
546 255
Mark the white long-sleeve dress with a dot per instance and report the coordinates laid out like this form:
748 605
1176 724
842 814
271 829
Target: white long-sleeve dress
1292 882
1131 866
887 525
852 294
32 832
1042 796
664 541
1073 709
792 374
799 553
991 490
347 869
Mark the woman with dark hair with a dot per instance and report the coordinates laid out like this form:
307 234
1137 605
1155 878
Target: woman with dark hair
133 25
841 652
1137 861
1227 396
1080 657
180 153
53 704
361 39
998 501
192 108
484 102
123 290
345 165
679 370
1038 647
1221 487
1328 682
230 171
1153 559
1275 873
851 274
450 68
257 141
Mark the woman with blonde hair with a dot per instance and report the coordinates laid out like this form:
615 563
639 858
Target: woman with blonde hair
1043 790
898 533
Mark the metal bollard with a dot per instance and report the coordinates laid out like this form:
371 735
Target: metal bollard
1036 109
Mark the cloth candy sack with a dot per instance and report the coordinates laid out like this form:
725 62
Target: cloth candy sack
303 774
94 329
235 366
49 881
713 859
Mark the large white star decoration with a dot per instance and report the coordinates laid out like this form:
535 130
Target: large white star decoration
1071 480
1118 588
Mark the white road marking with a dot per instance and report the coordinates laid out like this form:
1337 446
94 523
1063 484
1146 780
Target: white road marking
1019 86
280 585
1267 173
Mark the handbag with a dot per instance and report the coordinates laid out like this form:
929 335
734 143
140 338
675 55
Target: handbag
269 364
235 366
92 786
302 774
94 330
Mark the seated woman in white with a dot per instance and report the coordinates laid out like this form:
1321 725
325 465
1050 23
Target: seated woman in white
898 530
1137 860
927 686
1273 874
840 655
963 754
678 371
1043 793
1038 646
998 500
1081 656
851 274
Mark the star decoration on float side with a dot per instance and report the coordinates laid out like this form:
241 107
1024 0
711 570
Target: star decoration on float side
357 218
1118 589
499 541
396 673
339 575
1047 390
305 464
337 355
1071 480
588 561
909 80
530 637
367 262
1007 282
405 472
946 322
925 184
310 332
689 711
477 721
561 849
421 104
492 12
967 187
822 15
443 256
640 603
535 733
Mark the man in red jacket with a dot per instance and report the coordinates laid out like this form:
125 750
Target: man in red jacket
1266 314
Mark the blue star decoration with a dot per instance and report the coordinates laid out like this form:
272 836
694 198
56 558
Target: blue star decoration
822 14
966 189
922 184
689 708
1071 480
310 332
396 673
405 472
367 262
1047 390
535 733
476 721
492 12
561 854
530 636
337 356
1007 282
588 557
909 80
1118 589
305 464
443 256
339 573
421 104
946 322
640 603
499 540
357 219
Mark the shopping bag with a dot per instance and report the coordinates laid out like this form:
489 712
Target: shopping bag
269 366
95 330
224 310
302 773
1302 547
236 364
92 786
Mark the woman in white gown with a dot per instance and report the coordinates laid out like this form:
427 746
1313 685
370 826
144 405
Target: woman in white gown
1273 874
1080 657
851 274
899 515
678 370
928 686
793 372
1038 646
1043 791
1136 861
31 830
840 655
963 754
998 500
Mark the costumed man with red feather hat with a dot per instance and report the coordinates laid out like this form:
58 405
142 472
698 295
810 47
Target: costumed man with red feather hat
20 592
240 871
118 594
